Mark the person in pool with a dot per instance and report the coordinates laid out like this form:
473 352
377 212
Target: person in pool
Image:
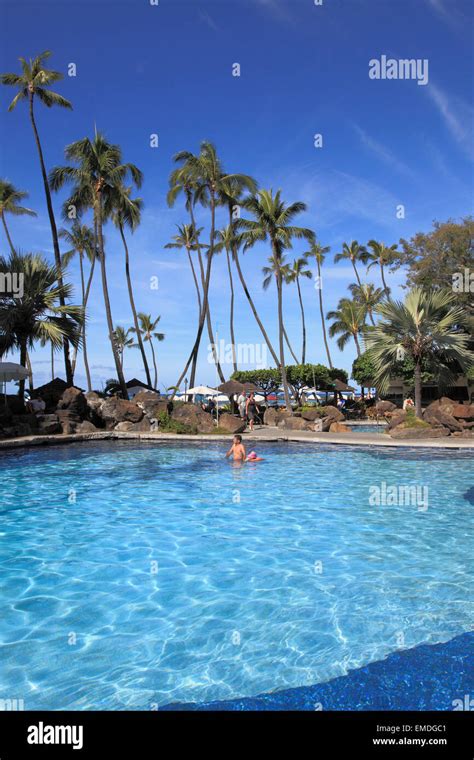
237 450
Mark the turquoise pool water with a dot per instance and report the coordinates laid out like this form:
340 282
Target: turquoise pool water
138 575
367 428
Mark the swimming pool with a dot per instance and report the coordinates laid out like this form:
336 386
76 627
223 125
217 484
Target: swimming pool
139 575
367 428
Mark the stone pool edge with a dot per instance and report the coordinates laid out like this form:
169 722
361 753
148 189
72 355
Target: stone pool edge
270 435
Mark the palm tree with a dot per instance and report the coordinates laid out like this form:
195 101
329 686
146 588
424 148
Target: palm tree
231 195
383 256
271 274
428 325
123 340
298 270
126 211
10 199
354 253
273 219
206 173
226 241
348 322
368 295
98 173
82 241
38 315
148 328
32 83
188 238
318 253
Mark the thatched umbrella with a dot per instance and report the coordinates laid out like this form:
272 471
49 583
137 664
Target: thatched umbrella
232 388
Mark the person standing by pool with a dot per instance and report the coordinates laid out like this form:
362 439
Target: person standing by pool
242 404
251 410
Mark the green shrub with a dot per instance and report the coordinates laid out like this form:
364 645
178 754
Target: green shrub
411 420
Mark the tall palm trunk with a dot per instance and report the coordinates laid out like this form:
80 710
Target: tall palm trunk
287 341
231 314
30 371
371 316
249 299
105 289
84 341
196 283
356 272
8 234
323 321
418 408
303 322
210 331
281 342
132 305
23 362
382 274
154 363
356 341
54 233
52 361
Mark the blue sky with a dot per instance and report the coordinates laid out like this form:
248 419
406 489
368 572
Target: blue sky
167 69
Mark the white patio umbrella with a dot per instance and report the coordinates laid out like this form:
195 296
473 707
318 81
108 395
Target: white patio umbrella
9 372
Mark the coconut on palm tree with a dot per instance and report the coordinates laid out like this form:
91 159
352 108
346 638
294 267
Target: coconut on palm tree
126 212
32 84
348 322
299 269
382 256
10 199
368 295
354 253
318 253
148 327
38 314
426 326
273 222
96 175
82 241
123 339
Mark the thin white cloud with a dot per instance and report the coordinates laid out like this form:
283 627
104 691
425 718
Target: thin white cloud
277 8
208 20
457 115
448 13
383 153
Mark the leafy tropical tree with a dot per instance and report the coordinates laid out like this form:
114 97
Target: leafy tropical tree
354 253
98 173
368 295
148 330
32 84
10 199
38 314
318 253
427 325
348 322
126 212
298 270
81 240
273 222
123 338
382 256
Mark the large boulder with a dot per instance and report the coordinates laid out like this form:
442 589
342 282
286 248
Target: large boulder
339 427
295 423
395 419
311 414
115 410
334 413
231 424
463 411
143 426
382 407
152 405
194 417
48 424
74 401
270 417
86 427
437 416
418 433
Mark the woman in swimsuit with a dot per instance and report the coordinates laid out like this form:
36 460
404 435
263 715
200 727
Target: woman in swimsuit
251 410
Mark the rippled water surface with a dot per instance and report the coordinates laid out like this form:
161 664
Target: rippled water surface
135 575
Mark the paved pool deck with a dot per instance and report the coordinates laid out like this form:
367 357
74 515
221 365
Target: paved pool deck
261 434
